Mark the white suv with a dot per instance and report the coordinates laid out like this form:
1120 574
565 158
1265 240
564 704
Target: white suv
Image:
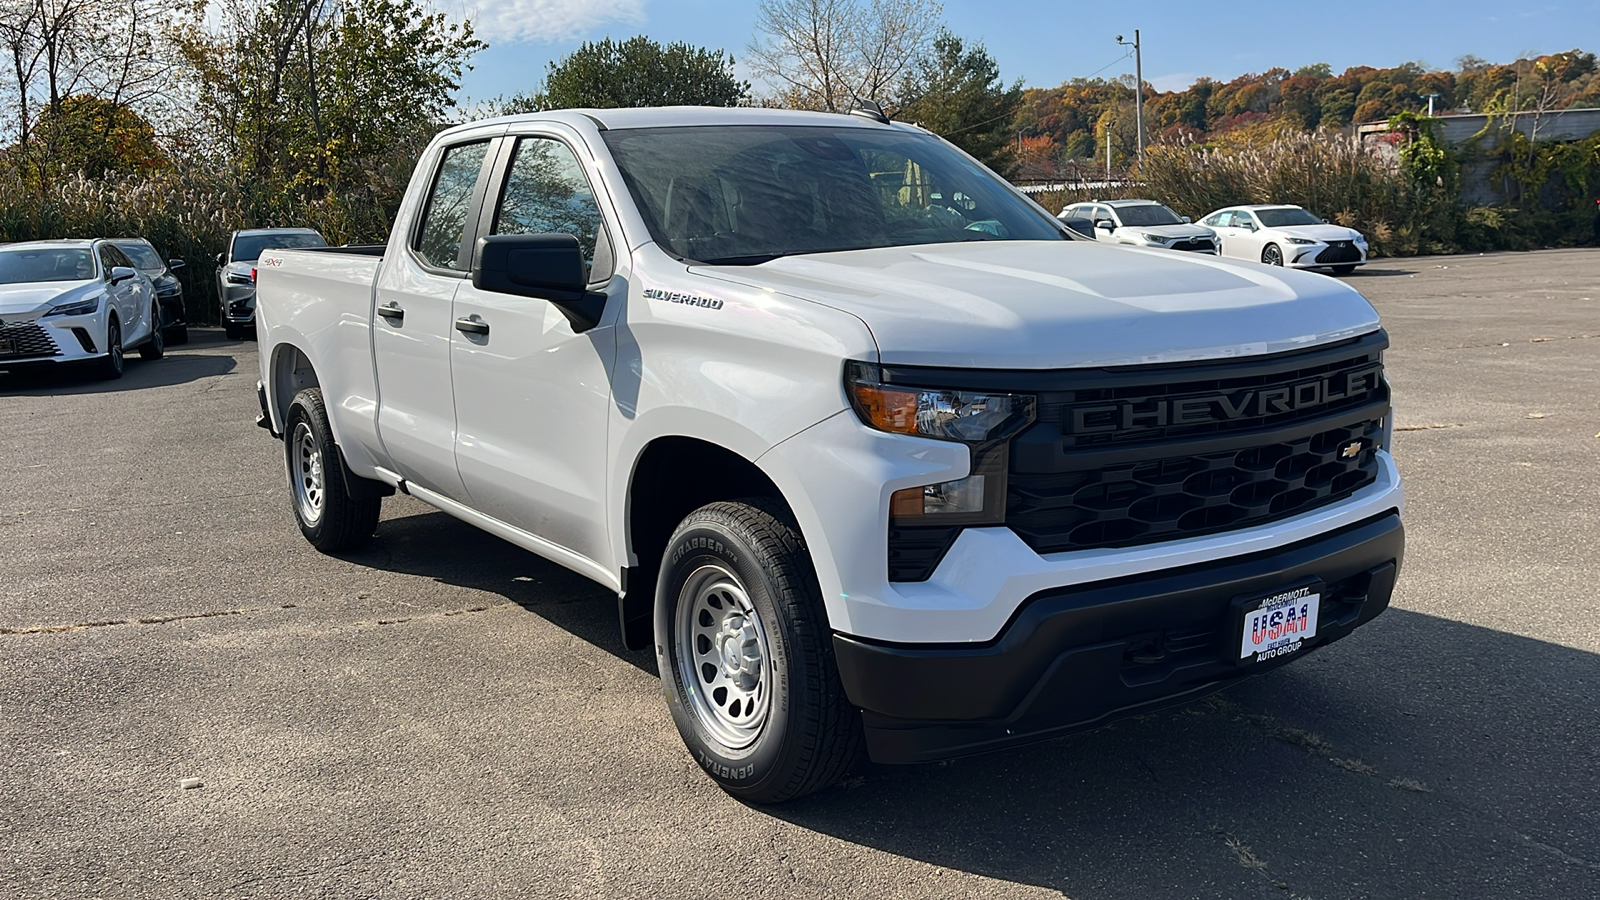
1143 223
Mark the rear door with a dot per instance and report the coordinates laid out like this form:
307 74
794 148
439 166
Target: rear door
411 326
533 395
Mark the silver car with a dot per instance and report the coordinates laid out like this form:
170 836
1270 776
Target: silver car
236 271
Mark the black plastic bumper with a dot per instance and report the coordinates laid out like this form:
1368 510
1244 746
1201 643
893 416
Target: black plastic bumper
1075 658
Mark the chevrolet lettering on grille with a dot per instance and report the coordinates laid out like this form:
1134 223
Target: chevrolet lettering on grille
1203 409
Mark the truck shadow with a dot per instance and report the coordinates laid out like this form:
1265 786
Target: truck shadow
1420 757
439 546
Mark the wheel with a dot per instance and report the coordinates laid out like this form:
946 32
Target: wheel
156 346
1343 270
746 655
234 332
1272 256
330 518
111 365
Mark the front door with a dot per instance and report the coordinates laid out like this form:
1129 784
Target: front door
532 395
411 326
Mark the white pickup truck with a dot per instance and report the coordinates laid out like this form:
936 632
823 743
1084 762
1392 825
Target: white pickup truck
875 454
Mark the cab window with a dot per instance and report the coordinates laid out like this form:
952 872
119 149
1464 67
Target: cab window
444 221
546 192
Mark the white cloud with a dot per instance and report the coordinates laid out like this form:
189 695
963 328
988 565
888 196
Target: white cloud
549 20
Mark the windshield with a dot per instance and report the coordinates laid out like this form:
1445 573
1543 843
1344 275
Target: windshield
1277 218
26 265
1153 214
144 257
249 247
742 195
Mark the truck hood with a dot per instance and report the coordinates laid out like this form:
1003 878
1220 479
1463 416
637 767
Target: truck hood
1049 304
20 299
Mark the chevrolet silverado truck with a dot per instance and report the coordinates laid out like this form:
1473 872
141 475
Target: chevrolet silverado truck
875 454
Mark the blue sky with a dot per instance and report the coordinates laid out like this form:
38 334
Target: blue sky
1045 43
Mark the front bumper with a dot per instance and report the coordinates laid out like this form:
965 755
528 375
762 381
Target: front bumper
52 339
239 304
1323 256
1074 658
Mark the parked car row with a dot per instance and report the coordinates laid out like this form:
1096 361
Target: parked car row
89 301
82 301
1274 234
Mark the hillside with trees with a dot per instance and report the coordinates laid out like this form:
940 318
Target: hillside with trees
1071 121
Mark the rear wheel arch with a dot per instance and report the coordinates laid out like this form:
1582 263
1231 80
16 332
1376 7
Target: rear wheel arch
672 477
292 372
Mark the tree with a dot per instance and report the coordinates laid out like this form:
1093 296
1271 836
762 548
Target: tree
94 136
328 100
831 54
637 72
956 92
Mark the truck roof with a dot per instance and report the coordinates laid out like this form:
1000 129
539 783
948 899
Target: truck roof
684 116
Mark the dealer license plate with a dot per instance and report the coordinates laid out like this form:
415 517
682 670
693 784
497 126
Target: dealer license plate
8 347
1279 624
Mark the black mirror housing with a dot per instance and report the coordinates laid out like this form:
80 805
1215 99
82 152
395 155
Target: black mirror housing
175 264
545 266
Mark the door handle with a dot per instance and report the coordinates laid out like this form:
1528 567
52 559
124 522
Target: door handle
473 325
392 312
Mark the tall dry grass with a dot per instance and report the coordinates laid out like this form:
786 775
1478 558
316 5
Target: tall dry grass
187 211
1323 172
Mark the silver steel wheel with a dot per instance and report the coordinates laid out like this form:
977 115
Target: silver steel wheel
722 657
306 474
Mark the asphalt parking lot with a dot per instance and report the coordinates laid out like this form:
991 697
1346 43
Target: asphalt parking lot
443 715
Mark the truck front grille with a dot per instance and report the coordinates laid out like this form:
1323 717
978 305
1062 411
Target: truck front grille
25 341
1135 455
1128 503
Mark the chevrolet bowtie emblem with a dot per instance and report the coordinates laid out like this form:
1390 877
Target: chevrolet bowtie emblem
1352 449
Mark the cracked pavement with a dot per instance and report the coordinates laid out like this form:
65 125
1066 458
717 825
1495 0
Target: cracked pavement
443 715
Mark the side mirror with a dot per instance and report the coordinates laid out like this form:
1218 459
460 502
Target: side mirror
1107 224
119 274
545 266
175 264
1186 219
219 260
1325 222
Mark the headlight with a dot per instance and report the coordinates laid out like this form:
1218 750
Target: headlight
1300 241
1361 239
238 278
966 416
1156 239
76 308
983 420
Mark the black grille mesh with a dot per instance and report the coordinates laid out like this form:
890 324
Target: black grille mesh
1339 252
22 341
1183 496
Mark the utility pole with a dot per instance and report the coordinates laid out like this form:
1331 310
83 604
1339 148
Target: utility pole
1430 104
1108 155
1138 90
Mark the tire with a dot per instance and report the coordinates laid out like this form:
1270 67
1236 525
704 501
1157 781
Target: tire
1343 270
155 346
1272 255
329 516
112 364
768 720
